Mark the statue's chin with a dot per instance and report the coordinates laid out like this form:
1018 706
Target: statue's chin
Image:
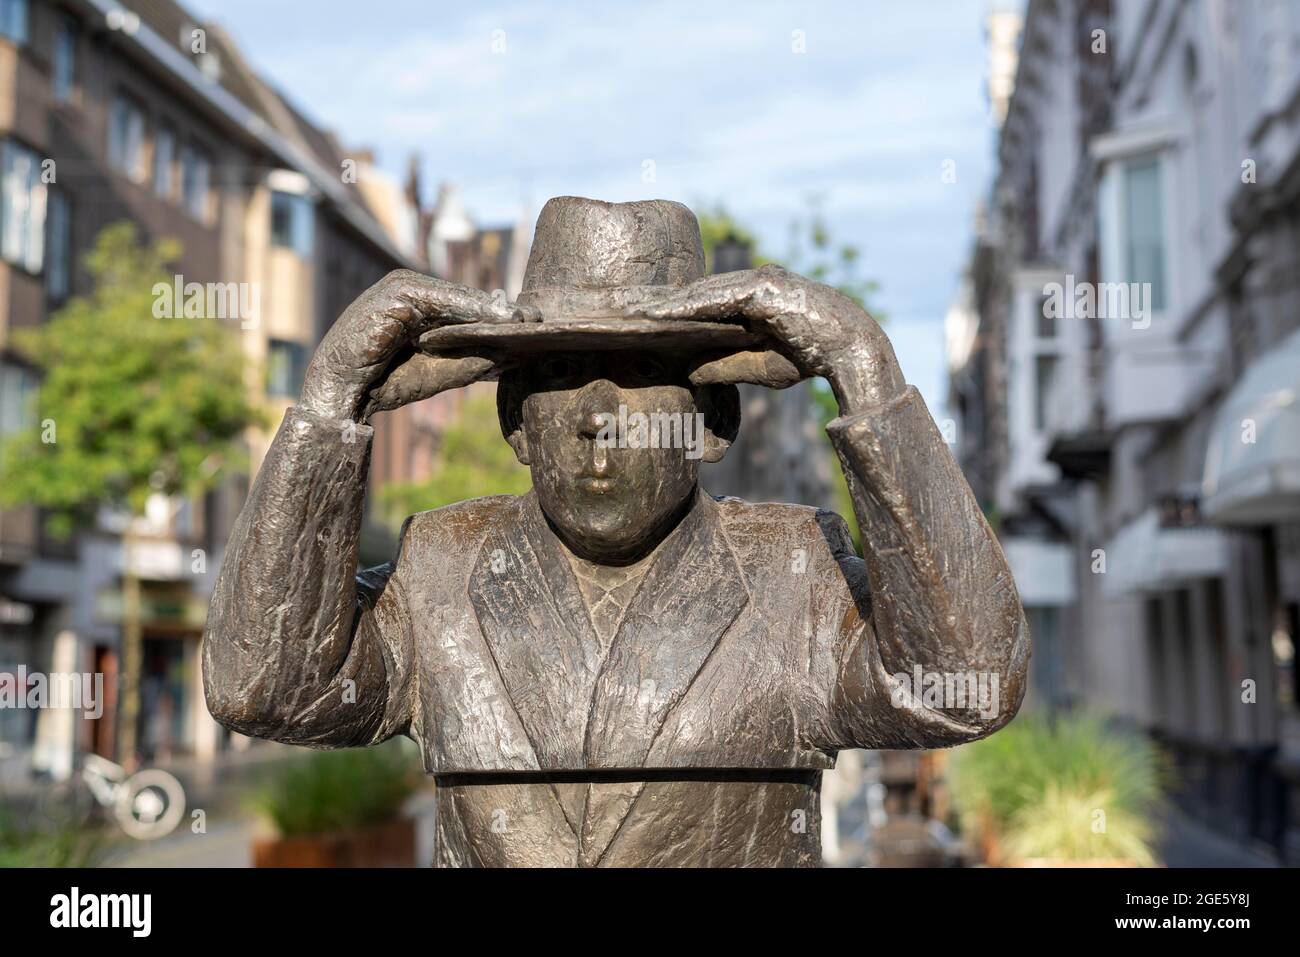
612 533
608 543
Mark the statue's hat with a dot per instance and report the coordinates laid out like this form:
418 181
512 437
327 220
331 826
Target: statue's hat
591 264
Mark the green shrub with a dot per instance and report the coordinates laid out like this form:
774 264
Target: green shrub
1036 787
1067 825
332 791
54 843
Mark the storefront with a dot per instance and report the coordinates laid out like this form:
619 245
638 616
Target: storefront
1251 486
18 648
173 718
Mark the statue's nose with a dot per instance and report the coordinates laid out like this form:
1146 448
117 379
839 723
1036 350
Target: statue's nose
597 405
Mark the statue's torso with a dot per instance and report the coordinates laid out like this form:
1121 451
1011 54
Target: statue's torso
691 731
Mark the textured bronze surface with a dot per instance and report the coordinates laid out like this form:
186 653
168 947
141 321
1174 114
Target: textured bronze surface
589 333
616 668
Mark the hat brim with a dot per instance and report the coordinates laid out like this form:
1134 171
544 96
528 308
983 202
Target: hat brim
503 339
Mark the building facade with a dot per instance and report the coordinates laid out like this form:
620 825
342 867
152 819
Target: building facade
140 112
1125 365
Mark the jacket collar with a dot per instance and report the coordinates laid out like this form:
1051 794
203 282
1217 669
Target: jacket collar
578 710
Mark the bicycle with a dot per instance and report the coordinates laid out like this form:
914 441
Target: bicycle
147 805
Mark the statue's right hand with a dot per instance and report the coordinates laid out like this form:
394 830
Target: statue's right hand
349 376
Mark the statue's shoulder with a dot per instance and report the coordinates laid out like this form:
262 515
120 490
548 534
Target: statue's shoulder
463 524
777 524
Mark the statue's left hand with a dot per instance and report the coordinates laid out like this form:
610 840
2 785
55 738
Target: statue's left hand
819 330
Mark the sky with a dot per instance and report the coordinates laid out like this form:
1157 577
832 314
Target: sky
766 108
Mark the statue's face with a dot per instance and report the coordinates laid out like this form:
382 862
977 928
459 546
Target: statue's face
614 441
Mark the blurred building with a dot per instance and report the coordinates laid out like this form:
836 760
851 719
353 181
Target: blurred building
462 251
150 115
1002 40
1135 445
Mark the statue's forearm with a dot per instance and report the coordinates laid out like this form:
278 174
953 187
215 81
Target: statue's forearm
289 651
942 596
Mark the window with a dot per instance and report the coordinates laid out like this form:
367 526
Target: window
286 364
22 206
13 20
1044 374
164 162
17 412
1046 321
1143 225
196 174
1284 658
17 386
63 64
59 246
292 221
126 137
1219 664
1156 676
1048 672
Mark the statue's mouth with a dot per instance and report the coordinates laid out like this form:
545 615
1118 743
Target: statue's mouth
598 485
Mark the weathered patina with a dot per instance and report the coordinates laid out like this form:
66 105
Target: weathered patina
616 668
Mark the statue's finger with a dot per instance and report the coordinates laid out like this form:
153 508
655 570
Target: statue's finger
727 296
765 368
419 301
704 306
422 376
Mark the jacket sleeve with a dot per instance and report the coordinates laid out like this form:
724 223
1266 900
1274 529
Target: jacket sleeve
933 646
298 647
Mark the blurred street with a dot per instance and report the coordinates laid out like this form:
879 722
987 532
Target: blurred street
1077 221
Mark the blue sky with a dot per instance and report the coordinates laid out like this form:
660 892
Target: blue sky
714 94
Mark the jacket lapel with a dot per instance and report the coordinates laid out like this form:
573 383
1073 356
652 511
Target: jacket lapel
692 593
536 625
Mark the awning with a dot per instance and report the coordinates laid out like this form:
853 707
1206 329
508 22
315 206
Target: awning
1252 461
1145 556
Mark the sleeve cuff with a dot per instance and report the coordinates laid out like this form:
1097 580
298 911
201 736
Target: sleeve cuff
900 405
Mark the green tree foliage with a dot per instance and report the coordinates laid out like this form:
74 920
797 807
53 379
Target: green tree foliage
129 403
716 226
474 460
815 253
813 250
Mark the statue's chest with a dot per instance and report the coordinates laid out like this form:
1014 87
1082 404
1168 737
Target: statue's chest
720 695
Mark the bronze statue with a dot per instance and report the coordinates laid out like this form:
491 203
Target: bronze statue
616 668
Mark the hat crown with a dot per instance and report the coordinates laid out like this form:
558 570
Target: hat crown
588 244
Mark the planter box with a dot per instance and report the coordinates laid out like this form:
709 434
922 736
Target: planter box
382 845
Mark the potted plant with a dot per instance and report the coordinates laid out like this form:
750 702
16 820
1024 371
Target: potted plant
1070 790
339 809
